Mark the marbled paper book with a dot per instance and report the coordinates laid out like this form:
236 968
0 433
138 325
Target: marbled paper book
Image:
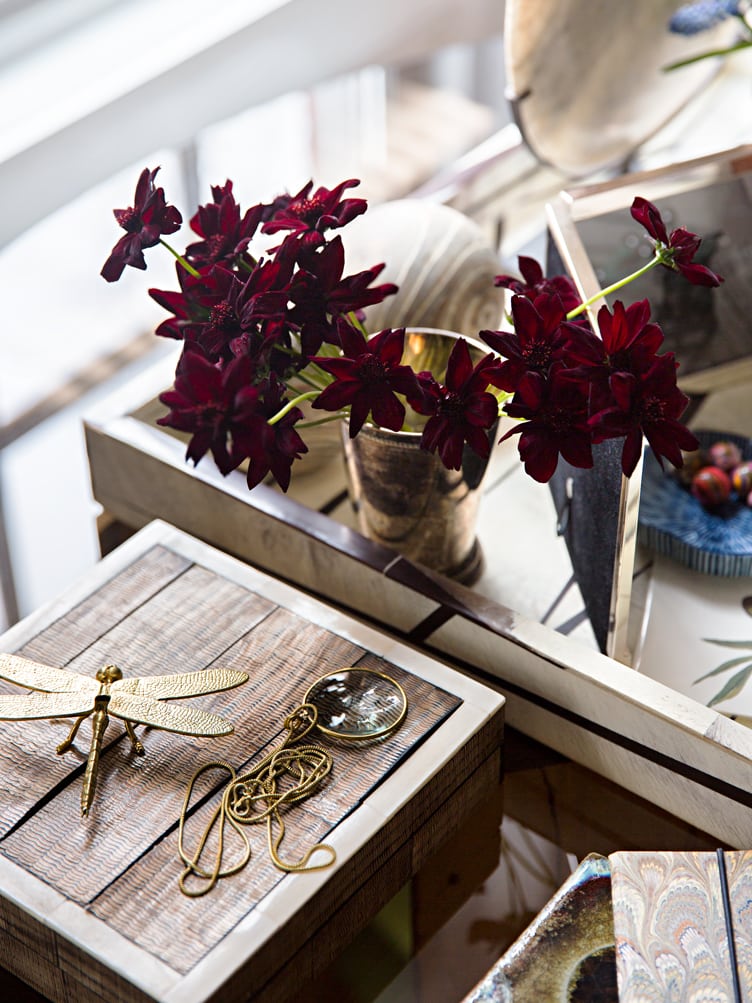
670 926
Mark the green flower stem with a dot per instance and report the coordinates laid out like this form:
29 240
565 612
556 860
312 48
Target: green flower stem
335 416
502 396
306 377
353 318
180 259
314 376
744 44
309 395
655 260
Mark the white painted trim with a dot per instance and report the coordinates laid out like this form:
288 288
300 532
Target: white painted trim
149 75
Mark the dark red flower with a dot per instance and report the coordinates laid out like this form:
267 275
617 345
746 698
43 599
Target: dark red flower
677 249
267 447
184 304
646 404
319 294
205 403
368 377
555 413
628 340
144 222
536 342
221 308
224 234
222 303
310 215
534 283
461 409
628 343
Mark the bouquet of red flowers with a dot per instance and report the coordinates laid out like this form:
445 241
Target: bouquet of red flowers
263 333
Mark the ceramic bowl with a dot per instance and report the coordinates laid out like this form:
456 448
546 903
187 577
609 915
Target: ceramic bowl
674 523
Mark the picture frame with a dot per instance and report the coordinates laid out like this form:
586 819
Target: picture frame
592 237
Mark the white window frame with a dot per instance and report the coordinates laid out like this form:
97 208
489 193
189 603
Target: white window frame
151 74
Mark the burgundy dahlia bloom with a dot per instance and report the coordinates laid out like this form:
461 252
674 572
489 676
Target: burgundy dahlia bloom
536 342
555 413
309 215
221 309
677 249
184 304
534 283
204 402
368 377
628 343
629 338
649 404
462 410
221 304
144 222
267 447
224 234
320 294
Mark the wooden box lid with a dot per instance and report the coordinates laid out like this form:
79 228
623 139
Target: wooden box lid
90 909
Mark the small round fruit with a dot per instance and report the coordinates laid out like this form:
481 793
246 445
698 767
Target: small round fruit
741 478
711 486
693 462
725 455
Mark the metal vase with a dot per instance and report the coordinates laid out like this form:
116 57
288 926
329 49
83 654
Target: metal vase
404 497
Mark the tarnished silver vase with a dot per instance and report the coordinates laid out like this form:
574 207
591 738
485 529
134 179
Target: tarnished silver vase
403 496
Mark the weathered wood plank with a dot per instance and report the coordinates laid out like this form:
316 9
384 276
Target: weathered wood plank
201 922
179 630
185 627
356 772
27 950
418 826
90 619
87 853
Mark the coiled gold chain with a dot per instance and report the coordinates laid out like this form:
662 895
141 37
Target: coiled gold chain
283 778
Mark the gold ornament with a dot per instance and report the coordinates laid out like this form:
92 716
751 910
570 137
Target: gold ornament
354 705
62 693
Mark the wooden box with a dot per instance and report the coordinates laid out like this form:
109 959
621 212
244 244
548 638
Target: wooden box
688 759
90 909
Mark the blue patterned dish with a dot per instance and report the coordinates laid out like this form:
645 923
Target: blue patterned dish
674 523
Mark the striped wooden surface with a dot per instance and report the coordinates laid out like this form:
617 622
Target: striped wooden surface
98 899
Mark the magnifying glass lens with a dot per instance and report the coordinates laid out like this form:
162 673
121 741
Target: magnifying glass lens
356 703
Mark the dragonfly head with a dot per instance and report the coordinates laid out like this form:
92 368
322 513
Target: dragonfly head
109 674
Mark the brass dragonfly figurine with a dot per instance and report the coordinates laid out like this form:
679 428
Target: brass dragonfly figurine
61 693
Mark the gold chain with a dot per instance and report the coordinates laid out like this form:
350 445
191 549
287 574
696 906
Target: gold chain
256 797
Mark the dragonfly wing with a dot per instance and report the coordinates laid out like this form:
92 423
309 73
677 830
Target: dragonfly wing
181 684
168 717
35 706
35 676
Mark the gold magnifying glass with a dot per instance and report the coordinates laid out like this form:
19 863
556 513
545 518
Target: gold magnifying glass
357 704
